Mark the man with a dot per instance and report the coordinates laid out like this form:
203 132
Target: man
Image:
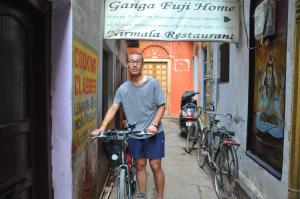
144 104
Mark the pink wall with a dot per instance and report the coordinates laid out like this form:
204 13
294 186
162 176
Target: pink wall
181 73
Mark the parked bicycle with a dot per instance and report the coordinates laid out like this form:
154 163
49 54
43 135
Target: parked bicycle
125 170
194 131
217 147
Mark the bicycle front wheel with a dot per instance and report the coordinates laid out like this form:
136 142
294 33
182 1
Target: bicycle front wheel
191 138
226 172
122 193
202 148
132 177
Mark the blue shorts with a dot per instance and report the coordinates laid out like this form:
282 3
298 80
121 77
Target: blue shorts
150 148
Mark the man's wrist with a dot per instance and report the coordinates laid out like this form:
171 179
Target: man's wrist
104 124
156 125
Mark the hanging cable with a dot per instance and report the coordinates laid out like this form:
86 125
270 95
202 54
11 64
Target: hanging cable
246 31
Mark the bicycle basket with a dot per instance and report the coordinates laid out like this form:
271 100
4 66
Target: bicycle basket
112 150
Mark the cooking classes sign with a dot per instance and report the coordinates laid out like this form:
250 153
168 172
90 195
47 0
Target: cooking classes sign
177 20
85 69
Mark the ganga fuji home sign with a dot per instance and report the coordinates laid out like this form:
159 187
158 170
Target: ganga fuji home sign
176 20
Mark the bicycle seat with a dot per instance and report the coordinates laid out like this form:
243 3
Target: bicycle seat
231 133
215 121
225 132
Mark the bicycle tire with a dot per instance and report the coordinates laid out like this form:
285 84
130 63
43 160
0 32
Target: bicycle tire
132 177
226 172
201 152
210 148
191 137
122 184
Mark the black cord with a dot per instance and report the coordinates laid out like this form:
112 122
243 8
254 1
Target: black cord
246 31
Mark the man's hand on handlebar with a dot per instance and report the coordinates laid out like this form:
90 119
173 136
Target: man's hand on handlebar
152 129
97 132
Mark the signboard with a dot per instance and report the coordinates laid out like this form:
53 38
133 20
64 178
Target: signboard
177 20
85 69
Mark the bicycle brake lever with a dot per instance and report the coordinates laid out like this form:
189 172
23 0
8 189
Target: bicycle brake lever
131 126
142 132
230 116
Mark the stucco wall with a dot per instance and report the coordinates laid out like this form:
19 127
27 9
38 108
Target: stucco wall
89 166
81 176
182 71
61 92
232 97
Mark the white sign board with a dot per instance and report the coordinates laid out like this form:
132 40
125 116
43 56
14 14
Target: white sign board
176 20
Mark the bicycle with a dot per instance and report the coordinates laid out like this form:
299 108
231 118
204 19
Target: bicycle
219 149
226 162
125 171
205 141
194 131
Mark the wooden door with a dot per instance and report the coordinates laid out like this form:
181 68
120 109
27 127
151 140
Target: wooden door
158 70
23 152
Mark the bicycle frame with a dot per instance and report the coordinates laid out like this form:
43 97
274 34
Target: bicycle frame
211 135
125 169
195 130
127 165
216 144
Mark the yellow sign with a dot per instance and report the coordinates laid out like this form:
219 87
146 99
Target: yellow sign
85 70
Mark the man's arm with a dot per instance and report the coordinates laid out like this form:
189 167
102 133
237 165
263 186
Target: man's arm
155 122
108 117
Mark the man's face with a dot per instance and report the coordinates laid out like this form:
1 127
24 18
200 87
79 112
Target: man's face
135 64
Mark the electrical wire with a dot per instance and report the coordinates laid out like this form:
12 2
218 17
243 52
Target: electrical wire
246 31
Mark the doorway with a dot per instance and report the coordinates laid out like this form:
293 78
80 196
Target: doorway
24 147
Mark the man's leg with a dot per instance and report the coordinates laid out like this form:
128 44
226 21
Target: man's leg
141 174
159 177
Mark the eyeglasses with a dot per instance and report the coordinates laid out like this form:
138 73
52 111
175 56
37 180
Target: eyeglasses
138 62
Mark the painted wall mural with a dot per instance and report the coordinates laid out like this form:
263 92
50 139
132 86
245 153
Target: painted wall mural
269 95
270 92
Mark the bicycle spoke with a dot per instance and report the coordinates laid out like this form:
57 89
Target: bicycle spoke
224 177
202 148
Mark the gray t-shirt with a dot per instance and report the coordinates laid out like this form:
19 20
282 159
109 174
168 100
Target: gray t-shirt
140 102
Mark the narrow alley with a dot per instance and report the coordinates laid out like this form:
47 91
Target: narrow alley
62 64
184 178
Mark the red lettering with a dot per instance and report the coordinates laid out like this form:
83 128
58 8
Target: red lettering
76 85
76 57
84 62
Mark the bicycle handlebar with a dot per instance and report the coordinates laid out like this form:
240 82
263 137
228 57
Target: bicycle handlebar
120 134
220 114
204 109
